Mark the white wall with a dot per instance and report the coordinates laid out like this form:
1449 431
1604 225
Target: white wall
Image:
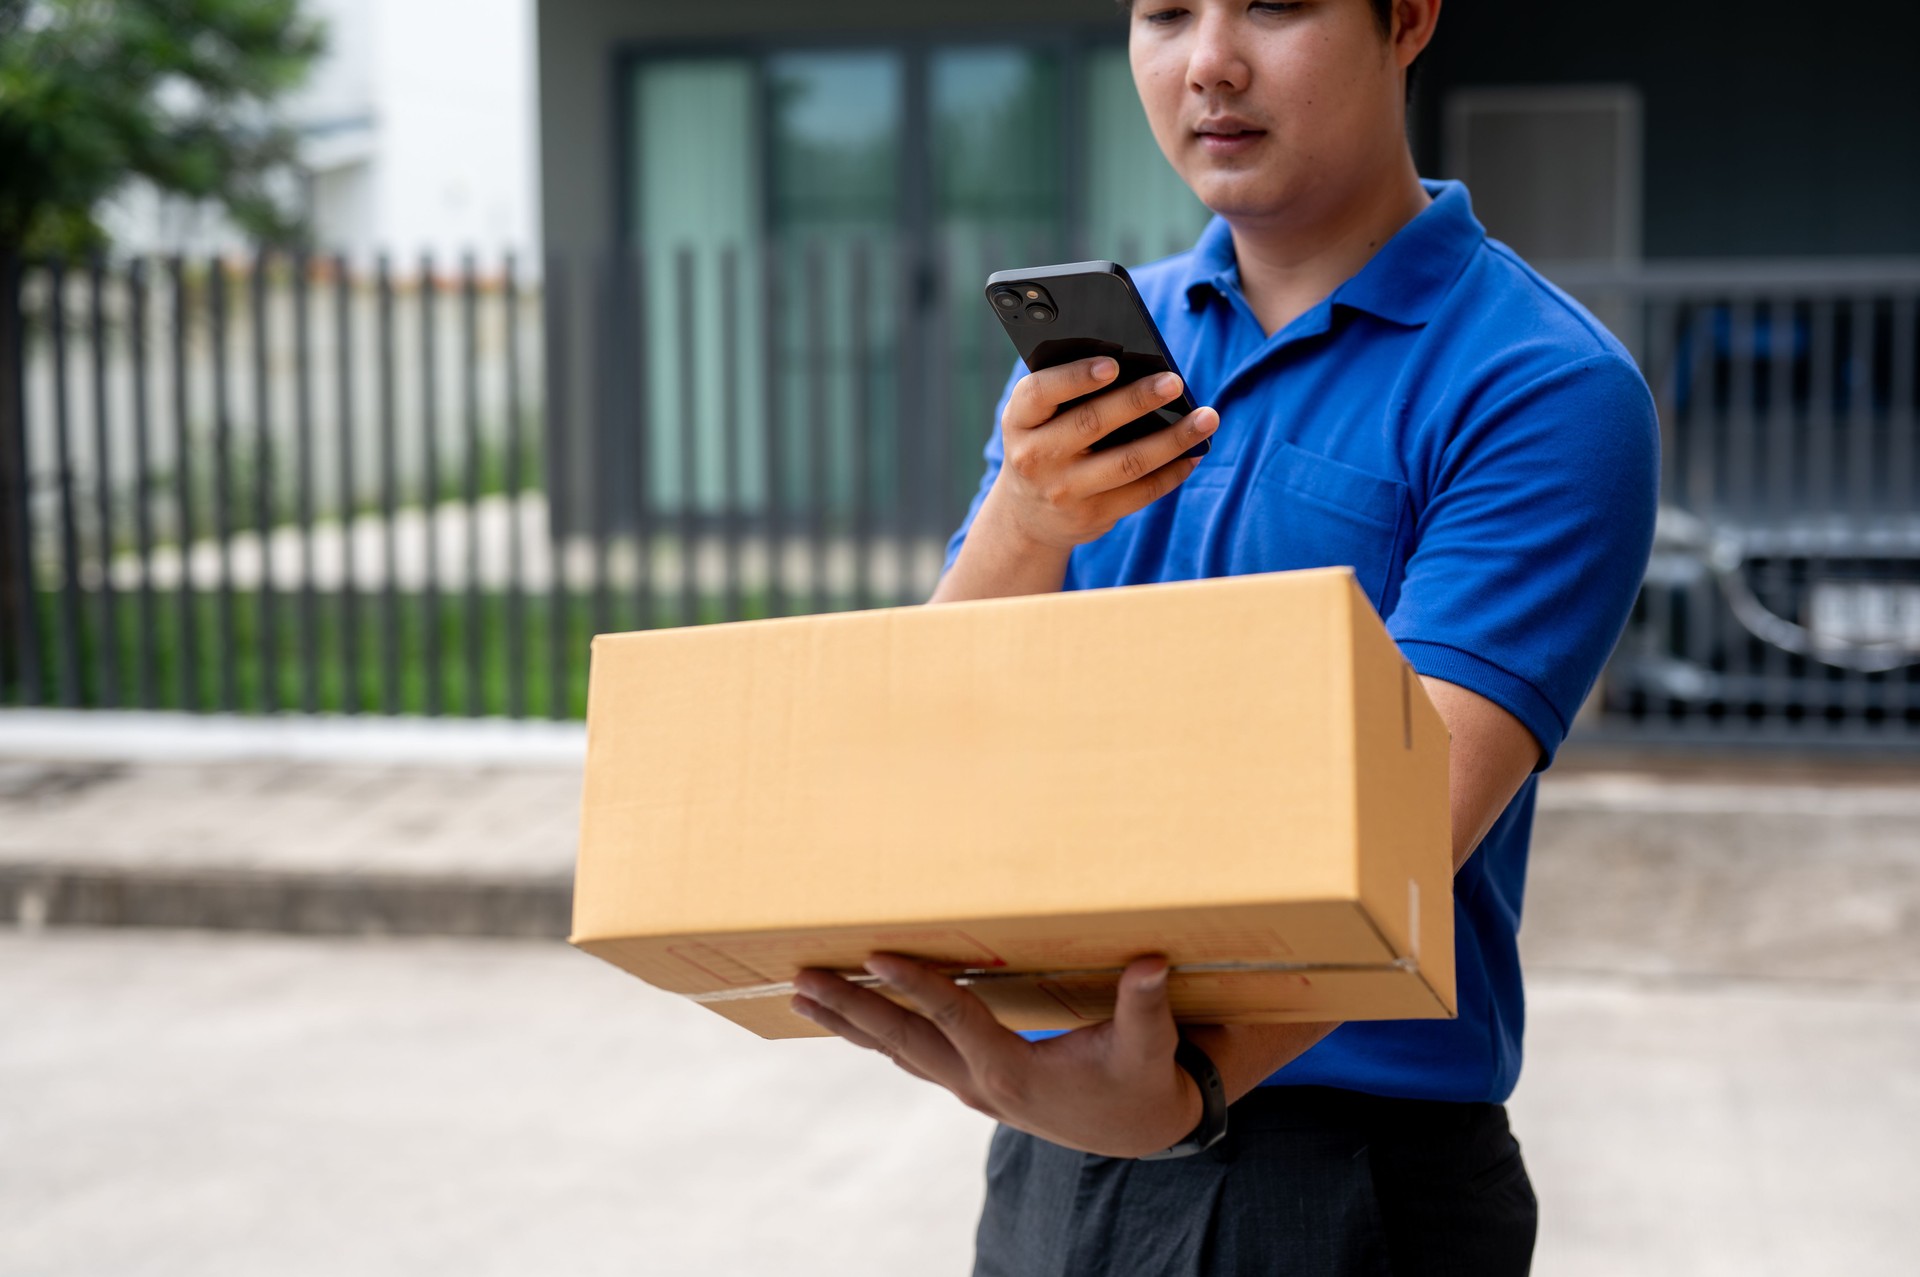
452 82
418 133
341 83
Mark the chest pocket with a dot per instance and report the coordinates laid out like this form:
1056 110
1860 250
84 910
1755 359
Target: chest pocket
1303 510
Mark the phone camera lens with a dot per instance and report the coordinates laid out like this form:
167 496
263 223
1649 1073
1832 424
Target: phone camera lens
1040 314
1007 300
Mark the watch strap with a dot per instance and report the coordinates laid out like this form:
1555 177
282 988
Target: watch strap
1213 1104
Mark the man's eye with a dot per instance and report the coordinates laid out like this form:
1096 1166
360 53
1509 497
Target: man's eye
1161 17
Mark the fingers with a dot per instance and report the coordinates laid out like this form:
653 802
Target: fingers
833 1022
1143 1027
1139 494
957 1013
909 1040
1080 427
1107 471
1038 395
995 1058
1053 488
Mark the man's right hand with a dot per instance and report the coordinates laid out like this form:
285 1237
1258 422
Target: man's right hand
1053 492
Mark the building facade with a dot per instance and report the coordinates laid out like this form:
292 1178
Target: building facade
1737 195
417 134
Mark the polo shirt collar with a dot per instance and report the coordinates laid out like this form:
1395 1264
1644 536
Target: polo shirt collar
1212 267
1404 282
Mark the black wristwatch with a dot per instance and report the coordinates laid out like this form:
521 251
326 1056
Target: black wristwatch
1213 1104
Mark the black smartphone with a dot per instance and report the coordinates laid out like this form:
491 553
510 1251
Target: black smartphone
1057 314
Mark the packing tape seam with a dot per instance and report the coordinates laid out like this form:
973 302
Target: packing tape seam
866 980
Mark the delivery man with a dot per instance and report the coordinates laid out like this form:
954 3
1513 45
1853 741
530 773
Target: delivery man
1391 390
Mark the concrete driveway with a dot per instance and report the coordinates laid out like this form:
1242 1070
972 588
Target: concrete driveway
1723 1070
192 1103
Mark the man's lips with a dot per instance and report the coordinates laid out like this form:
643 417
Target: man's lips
1227 137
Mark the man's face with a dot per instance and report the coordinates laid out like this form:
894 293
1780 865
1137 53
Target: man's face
1268 109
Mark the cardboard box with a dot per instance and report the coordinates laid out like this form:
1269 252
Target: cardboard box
1242 774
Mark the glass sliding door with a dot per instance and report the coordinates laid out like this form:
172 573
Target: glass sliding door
696 199
996 158
836 145
836 142
879 185
1137 208
996 147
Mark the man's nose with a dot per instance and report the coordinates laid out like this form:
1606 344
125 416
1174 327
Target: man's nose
1215 60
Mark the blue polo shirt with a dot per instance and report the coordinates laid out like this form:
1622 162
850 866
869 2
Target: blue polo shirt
1484 455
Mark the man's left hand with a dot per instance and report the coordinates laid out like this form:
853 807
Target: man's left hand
1111 1088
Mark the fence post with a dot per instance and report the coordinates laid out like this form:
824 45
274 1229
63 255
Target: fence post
555 371
267 598
516 592
68 620
142 486
187 689
428 609
106 606
19 631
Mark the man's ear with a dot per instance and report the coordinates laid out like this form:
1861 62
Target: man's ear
1413 24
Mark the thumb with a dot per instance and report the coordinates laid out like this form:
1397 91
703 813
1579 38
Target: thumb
1143 1026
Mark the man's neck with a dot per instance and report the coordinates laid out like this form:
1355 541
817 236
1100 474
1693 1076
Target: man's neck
1292 262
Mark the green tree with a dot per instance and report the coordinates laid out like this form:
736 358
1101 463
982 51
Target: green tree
97 93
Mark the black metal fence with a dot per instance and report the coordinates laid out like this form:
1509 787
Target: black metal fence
204 450
304 484
300 483
1783 600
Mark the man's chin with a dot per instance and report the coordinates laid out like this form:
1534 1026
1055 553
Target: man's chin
1242 196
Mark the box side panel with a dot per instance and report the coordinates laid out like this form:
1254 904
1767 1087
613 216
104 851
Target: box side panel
1300 933
1223 998
770 1017
1404 821
976 760
1268 963
1037 1005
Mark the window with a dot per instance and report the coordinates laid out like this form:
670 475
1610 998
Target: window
919 169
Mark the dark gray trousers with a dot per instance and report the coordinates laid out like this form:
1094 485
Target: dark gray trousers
1309 1182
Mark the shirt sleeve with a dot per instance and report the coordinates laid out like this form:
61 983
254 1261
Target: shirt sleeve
994 453
1530 549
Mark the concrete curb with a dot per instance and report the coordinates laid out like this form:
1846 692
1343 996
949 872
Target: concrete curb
1651 794
137 736
33 896
463 829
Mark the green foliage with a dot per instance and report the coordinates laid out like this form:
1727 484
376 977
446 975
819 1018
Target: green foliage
226 647
178 92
